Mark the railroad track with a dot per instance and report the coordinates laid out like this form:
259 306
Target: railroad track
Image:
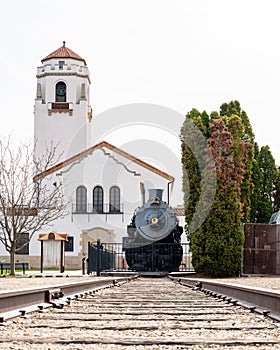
262 301
143 314
19 302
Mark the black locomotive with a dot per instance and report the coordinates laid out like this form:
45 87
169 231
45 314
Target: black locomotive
154 237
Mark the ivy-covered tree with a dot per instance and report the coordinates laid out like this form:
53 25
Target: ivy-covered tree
242 133
223 225
217 244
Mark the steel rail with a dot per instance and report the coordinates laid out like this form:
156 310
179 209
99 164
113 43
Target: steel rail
18 302
264 301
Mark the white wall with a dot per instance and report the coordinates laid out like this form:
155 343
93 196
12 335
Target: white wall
93 170
100 169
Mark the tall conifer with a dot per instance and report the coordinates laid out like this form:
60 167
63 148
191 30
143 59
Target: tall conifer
217 244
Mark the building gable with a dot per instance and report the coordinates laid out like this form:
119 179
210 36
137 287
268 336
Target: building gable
110 151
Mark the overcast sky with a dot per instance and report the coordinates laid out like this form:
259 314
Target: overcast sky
178 53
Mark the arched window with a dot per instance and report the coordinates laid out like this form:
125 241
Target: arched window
114 205
81 199
98 199
60 92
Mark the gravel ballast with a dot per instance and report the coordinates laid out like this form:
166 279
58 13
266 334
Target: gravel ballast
13 283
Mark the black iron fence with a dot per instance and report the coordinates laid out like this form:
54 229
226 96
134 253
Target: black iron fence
5 267
100 258
106 209
111 257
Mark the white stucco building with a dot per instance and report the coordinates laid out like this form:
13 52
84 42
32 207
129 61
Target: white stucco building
102 184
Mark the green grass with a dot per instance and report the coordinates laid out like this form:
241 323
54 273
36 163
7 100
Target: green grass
8 272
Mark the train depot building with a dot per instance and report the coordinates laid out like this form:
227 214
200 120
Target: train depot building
102 184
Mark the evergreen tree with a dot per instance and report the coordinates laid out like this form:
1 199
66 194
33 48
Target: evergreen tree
247 187
255 196
225 241
194 161
217 244
268 171
276 196
221 250
268 176
243 132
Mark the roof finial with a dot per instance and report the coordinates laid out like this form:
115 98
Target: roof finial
63 43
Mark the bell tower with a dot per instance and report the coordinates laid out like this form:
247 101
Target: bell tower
62 111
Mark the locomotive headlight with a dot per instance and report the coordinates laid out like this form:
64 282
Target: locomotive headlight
154 220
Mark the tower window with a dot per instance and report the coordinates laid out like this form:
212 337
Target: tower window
60 92
61 64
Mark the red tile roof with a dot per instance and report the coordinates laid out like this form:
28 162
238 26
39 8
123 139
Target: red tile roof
110 147
63 52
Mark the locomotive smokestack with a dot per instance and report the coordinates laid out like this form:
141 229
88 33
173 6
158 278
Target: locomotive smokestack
155 192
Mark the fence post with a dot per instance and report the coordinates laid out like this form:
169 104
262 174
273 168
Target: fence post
98 258
84 265
89 259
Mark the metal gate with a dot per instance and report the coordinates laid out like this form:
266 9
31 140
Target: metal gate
111 257
100 258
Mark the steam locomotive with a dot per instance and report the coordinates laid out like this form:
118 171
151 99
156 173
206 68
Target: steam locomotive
154 237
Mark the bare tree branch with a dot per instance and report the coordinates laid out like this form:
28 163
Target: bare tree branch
25 205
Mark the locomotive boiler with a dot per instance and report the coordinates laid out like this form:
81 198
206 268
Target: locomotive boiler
154 237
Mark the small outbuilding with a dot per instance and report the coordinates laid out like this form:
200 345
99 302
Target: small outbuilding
53 250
